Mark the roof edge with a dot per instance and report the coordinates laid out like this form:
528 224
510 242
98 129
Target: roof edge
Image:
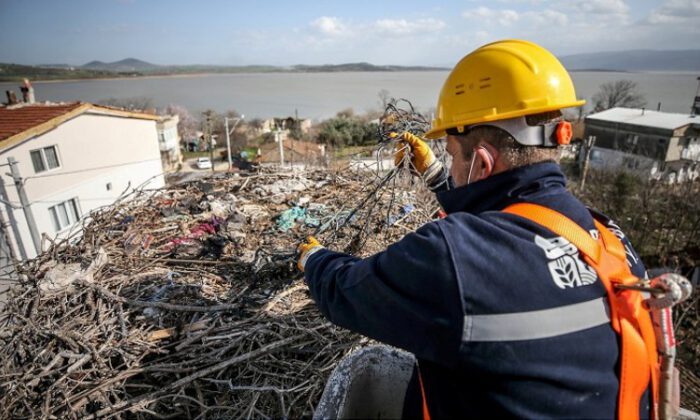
43 127
101 109
56 121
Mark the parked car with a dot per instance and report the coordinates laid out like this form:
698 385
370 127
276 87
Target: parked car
203 163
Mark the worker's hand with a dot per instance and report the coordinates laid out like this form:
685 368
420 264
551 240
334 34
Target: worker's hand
423 158
423 155
305 249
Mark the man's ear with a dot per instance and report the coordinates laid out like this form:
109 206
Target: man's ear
487 161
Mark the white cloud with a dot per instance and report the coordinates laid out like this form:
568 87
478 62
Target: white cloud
545 17
330 25
602 7
504 17
533 2
399 27
507 17
675 11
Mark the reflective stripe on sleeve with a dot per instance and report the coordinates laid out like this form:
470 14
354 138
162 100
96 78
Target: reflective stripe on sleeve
533 325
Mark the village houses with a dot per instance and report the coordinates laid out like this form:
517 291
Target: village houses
654 144
62 161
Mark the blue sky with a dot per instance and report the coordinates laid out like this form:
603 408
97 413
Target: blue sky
406 32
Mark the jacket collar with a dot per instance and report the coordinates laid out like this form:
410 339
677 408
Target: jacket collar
501 190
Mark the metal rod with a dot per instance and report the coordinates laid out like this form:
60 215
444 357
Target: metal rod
228 145
31 223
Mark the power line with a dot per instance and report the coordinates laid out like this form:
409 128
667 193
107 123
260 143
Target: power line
89 169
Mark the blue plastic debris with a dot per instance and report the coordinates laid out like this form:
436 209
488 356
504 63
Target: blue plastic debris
288 218
405 210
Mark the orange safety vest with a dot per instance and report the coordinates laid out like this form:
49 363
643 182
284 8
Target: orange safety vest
629 318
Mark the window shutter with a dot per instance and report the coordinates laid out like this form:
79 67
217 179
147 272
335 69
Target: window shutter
38 161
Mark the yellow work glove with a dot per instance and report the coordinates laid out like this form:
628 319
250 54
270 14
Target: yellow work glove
423 155
306 248
423 158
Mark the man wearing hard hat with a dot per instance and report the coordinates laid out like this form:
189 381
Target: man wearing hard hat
509 304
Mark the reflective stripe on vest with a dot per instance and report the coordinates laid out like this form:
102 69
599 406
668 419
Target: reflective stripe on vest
629 319
534 325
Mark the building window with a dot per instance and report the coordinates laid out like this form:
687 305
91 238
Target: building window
45 159
64 214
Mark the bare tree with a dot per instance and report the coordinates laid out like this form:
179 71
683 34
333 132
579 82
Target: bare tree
188 125
136 103
384 99
624 93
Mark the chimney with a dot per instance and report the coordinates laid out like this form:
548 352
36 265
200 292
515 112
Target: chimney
11 97
27 92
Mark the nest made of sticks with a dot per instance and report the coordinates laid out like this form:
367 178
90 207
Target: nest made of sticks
186 302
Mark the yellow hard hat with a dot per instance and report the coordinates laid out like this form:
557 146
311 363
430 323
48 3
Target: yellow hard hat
502 80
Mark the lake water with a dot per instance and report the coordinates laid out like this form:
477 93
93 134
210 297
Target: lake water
321 95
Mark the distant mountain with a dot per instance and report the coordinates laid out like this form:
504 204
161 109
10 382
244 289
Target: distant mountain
359 67
17 72
122 66
56 66
635 60
130 65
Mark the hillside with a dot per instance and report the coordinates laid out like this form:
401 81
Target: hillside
17 72
132 67
125 65
359 67
635 60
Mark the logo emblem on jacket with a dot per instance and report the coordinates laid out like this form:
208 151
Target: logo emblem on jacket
565 266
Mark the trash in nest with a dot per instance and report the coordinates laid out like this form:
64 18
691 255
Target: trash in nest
234 334
308 216
289 218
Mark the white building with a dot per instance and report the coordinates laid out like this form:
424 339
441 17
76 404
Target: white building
169 141
655 144
72 158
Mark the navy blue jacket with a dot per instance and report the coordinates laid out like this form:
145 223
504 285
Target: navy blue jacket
436 292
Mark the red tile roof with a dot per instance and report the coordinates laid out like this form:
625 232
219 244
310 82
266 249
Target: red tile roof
22 122
14 120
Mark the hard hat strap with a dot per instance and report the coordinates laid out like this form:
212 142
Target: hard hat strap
528 135
551 134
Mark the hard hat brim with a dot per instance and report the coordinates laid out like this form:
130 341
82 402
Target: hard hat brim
440 131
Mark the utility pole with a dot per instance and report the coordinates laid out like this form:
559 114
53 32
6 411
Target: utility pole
24 201
278 138
588 144
228 144
228 138
208 137
12 221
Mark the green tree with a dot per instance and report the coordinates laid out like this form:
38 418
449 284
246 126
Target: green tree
343 131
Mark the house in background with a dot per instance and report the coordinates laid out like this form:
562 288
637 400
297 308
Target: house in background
72 158
169 141
296 153
657 145
285 124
